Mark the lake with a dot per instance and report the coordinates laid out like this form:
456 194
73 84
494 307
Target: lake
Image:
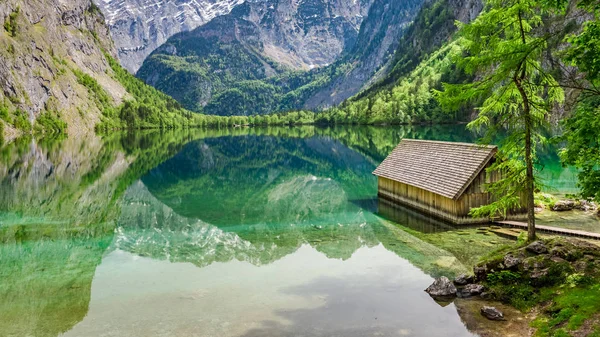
240 232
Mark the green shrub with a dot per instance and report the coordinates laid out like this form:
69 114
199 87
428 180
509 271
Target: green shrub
1 133
94 89
50 122
504 277
3 112
21 121
10 24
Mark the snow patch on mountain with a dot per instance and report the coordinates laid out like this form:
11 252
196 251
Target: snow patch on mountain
138 27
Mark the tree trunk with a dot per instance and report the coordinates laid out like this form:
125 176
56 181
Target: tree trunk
529 180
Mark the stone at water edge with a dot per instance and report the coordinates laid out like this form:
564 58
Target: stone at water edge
492 313
563 205
463 279
442 287
586 205
537 247
472 290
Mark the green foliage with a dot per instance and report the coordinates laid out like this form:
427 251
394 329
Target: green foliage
583 146
3 111
255 97
50 122
410 101
205 63
504 46
545 200
21 121
566 295
582 130
100 96
504 276
569 310
149 108
10 23
516 289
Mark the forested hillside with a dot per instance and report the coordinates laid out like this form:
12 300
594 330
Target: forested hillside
427 56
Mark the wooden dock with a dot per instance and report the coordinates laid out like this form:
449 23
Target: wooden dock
552 230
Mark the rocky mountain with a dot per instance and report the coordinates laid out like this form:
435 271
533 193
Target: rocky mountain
58 73
138 27
258 59
370 58
46 47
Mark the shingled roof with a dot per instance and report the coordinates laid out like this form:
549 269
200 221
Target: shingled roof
444 168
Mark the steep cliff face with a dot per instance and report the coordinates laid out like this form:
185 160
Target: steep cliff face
432 28
47 48
369 59
138 27
306 34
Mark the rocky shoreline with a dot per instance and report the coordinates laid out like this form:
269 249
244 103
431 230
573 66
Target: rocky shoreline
545 277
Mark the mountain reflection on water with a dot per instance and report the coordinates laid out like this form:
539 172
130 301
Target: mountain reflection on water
245 232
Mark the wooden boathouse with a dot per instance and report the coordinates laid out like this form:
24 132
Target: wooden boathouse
442 179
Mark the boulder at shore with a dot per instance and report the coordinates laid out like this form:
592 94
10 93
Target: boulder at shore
463 279
563 205
442 287
472 290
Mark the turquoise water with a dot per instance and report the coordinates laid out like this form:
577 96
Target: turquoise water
244 232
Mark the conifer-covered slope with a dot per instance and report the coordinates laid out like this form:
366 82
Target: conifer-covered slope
255 60
427 56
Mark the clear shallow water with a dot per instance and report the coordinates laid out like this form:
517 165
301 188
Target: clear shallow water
246 232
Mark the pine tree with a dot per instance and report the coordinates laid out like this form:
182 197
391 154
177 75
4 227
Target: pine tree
513 93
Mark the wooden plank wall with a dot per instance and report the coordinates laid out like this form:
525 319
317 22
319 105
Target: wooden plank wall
456 211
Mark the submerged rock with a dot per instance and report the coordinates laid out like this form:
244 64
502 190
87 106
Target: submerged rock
442 287
472 290
563 205
537 247
463 279
492 313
